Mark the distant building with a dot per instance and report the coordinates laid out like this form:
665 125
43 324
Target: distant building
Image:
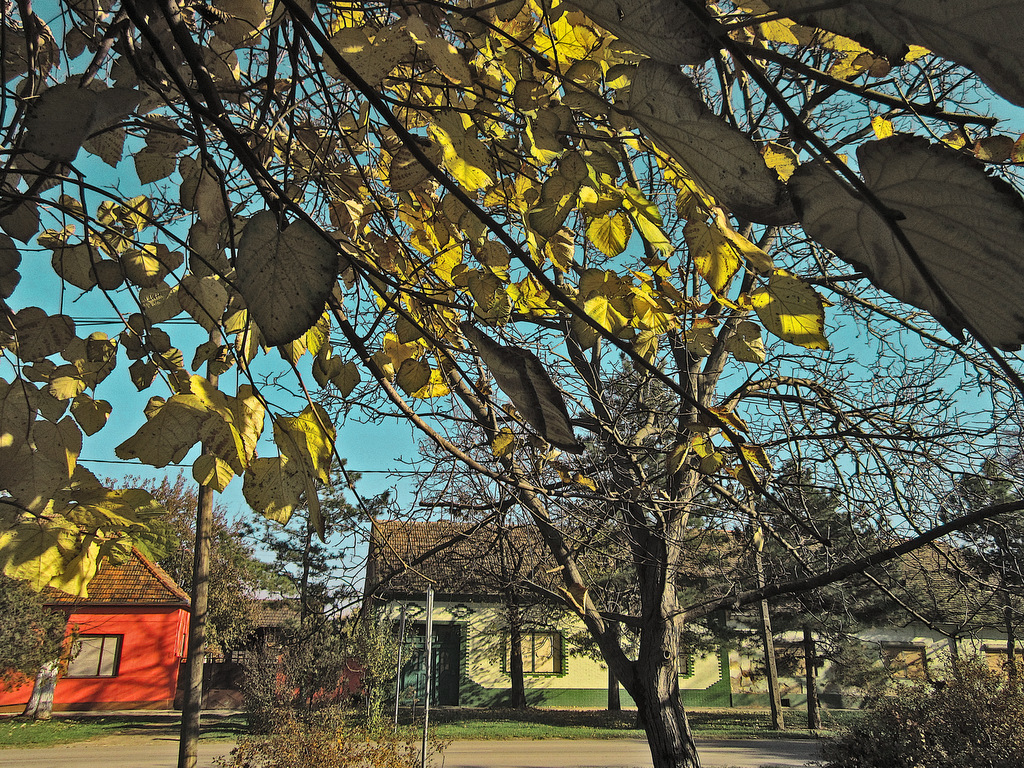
130 640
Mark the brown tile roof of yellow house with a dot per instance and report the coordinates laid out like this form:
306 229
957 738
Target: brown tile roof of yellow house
455 558
138 581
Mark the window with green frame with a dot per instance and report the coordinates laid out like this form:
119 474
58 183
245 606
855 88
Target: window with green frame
685 662
542 653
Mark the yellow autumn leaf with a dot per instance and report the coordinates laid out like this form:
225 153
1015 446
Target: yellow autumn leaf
168 435
557 199
503 443
755 454
746 344
713 254
274 487
610 233
465 156
307 439
700 338
782 159
882 127
584 482
436 386
212 471
792 310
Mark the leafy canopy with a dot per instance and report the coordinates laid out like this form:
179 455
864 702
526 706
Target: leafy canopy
369 195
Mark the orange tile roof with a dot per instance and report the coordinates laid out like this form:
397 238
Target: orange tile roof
138 581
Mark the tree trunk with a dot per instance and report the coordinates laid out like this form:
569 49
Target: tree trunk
40 703
811 664
517 691
655 684
663 719
768 642
614 700
1011 640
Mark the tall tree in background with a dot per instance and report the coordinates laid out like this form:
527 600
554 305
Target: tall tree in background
467 214
993 551
235 572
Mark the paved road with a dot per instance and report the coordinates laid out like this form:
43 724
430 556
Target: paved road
143 752
147 752
617 753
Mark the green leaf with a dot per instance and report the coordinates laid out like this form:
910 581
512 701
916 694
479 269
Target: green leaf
965 226
983 35
726 162
521 376
284 276
665 30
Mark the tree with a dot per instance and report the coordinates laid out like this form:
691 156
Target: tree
30 634
235 571
430 197
993 551
31 643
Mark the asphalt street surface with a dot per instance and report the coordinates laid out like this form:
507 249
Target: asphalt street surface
149 752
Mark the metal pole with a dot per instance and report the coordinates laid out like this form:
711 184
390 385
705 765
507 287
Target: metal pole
428 663
398 669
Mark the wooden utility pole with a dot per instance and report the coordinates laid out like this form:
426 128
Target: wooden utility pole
774 697
191 709
188 747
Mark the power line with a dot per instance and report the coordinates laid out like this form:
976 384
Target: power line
406 472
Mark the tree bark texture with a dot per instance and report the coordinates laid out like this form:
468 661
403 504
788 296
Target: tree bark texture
1011 640
614 699
662 714
655 684
40 702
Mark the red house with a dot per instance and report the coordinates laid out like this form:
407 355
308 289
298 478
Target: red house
131 633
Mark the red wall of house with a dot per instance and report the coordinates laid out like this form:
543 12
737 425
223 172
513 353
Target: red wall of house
151 655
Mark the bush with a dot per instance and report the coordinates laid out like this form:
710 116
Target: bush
974 719
268 691
328 741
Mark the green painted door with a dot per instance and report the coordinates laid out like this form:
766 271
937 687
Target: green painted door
447 647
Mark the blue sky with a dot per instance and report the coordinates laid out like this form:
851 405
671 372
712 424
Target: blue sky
372 450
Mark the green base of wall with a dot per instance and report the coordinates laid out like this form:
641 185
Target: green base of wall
717 695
